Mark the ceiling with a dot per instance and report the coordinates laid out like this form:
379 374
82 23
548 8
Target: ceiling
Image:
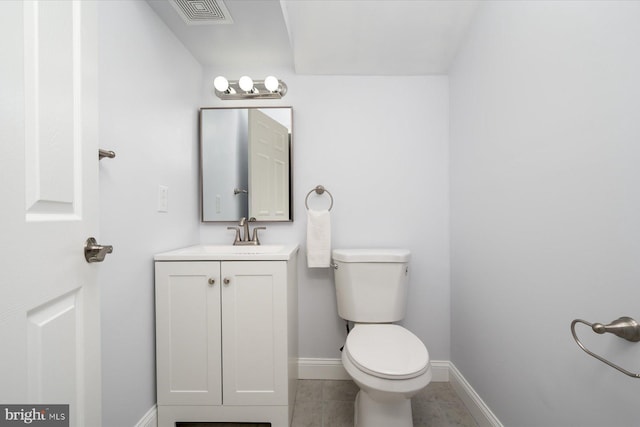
327 37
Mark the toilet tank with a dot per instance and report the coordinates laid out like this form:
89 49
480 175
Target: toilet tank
371 284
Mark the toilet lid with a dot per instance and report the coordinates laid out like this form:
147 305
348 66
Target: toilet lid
387 351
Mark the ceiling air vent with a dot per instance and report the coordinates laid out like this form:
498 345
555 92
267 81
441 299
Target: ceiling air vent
202 12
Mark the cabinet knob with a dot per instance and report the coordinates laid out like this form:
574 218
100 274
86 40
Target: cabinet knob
226 280
212 281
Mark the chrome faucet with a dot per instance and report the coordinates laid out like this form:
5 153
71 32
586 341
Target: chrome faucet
245 226
244 239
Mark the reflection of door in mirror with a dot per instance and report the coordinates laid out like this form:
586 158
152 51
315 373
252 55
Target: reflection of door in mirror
268 168
225 160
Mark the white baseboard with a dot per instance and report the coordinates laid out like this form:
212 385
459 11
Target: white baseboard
150 419
443 371
321 369
332 369
440 371
479 410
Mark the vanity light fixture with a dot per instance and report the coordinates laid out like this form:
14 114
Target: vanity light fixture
247 88
221 84
246 84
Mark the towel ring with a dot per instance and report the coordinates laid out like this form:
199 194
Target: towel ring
319 190
624 327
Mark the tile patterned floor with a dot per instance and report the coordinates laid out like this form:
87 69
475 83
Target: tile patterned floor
223 424
323 403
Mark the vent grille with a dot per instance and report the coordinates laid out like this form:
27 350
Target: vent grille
198 12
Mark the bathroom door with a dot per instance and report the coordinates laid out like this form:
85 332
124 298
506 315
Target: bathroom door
268 168
49 301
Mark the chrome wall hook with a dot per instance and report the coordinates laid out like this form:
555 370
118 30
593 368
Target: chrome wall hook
105 153
623 327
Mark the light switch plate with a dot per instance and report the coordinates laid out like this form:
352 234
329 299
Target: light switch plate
163 198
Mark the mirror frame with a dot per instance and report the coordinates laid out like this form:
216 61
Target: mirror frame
201 161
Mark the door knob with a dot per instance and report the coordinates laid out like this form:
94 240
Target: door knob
93 252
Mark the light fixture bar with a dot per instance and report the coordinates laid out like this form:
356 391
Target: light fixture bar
259 90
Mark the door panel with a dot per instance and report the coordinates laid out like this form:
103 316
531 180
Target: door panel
268 168
188 334
49 301
51 129
49 325
254 334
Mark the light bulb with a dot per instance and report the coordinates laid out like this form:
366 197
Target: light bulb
221 84
271 83
245 83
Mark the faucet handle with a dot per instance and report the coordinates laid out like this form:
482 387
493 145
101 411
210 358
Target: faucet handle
237 230
254 238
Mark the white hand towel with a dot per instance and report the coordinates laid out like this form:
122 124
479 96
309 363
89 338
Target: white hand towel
318 238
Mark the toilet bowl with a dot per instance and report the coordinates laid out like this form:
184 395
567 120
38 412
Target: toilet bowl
390 365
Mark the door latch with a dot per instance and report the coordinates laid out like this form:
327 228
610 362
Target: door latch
93 252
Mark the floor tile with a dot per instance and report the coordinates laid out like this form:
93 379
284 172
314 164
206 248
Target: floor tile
427 414
440 392
309 390
326 403
337 413
339 390
457 414
186 424
307 414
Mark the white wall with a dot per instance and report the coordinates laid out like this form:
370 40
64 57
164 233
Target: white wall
379 145
149 88
545 147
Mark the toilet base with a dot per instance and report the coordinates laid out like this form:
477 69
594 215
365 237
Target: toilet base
371 413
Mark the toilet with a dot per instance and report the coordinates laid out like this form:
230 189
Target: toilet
387 362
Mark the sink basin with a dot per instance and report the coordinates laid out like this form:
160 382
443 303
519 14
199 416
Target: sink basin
229 253
230 249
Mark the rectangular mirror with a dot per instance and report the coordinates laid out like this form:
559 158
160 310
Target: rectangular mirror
245 162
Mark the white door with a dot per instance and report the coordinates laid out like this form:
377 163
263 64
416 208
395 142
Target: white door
49 302
268 168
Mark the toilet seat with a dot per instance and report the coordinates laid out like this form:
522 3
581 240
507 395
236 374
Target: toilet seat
386 351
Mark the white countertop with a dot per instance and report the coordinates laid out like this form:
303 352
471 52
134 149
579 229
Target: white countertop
230 253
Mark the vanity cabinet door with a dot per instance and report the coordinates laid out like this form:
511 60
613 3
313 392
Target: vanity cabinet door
254 337
188 333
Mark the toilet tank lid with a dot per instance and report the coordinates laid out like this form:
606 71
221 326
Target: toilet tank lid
371 255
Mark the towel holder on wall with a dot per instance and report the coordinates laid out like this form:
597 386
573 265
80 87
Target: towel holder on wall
319 189
624 327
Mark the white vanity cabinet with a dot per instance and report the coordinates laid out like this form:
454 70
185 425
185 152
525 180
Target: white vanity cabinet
226 335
